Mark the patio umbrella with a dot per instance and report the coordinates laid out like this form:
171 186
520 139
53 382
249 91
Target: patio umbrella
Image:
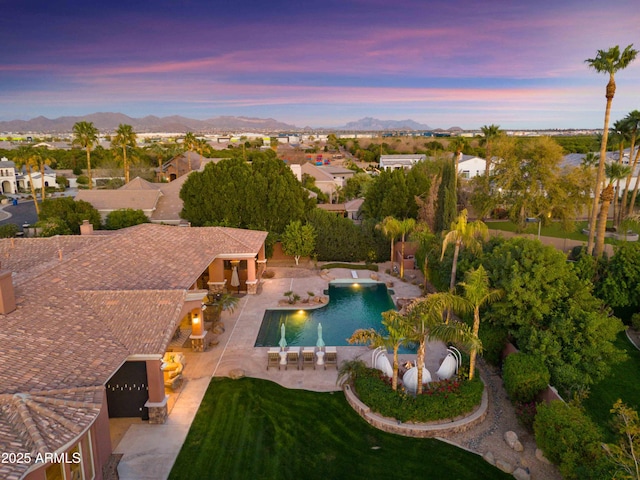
235 280
283 341
320 342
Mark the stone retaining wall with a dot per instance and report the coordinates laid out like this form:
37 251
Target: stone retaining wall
417 430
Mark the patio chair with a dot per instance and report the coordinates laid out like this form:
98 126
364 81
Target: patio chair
293 357
273 358
330 357
308 357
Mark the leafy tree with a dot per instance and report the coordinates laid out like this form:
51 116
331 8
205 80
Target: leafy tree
447 197
463 234
525 376
339 239
478 293
356 186
620 286
68 214
397 332
8 230
549 311
298 240
86 135
123 218
607 62
625 455
124 138
387 196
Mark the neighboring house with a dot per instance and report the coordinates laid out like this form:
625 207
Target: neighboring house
181 165
49 178
8 181
393 162
470 166
576 159
325 181
86 321
350 209
339 174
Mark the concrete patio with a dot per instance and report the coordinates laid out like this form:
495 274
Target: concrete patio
149 451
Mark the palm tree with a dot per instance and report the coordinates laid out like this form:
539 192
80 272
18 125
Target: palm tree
463 234
426 321
397 333
589 161
390 227
406 227
42 159
608 62
478 293
456 146
26 156
86 135
620 134
490 132
125 137
190 143
422 234
633 120
219 302
614 172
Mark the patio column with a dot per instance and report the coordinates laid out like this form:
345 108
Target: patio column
262 261
252 283
198 333
216 276
157 403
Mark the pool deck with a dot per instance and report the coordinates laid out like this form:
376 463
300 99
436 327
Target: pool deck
149 451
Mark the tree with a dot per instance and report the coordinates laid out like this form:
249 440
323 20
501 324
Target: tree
190 143
463 234
69 213
614 172
478 293
42 159
620 286
625 455
397 332
124 138
490 132
406 227
633 121
607 62
86 136
123 218
298 240
425 318
391 229
216 303
27 157
457 145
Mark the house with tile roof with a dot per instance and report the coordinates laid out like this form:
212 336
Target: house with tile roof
86 321
393 162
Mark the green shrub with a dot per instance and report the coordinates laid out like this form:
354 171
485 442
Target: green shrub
439 400
493 340
9 230
524 376
125 217
367 266
82 180
635 321
570 439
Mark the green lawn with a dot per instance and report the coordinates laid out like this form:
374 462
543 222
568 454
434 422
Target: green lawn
623 382
553 229
256 429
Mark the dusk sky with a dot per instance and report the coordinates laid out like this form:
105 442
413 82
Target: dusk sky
515 63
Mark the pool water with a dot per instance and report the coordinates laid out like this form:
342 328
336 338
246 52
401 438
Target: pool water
351 306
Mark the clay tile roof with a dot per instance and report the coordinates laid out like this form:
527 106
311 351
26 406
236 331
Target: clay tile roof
44 421
106 200
139 184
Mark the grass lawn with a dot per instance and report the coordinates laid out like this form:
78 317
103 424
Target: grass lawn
623 382
256 429
553 229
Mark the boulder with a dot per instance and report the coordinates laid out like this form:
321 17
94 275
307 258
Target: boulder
540 456
236 373
511 437
521 474
489 458
504 466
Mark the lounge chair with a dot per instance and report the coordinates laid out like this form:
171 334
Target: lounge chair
308 357
293 357
273 359
330 357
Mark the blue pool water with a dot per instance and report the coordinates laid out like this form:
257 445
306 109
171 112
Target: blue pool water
351 306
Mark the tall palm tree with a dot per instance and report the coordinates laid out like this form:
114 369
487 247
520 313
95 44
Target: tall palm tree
614 172
42 159
456 146
190 143
589 161
27 157
607 62
490 132
390 227
406 227
633 120
463 234
397 333
426 322
423 235
478 293
124 138
620 135
86 135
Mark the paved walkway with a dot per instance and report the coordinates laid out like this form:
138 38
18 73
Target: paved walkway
149 451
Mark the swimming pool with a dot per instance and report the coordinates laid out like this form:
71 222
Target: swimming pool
351 306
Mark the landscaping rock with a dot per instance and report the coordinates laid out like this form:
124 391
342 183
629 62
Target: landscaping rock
236 373
489 458
540 456
504 466
521 474
511 438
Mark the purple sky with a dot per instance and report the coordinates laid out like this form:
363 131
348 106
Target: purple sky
467 63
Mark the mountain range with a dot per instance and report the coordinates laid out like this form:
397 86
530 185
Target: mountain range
108 122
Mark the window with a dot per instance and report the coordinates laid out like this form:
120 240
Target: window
54 472
465 174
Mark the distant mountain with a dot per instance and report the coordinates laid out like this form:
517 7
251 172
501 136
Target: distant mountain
373 124
108 122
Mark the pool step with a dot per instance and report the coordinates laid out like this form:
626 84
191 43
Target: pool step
354 274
